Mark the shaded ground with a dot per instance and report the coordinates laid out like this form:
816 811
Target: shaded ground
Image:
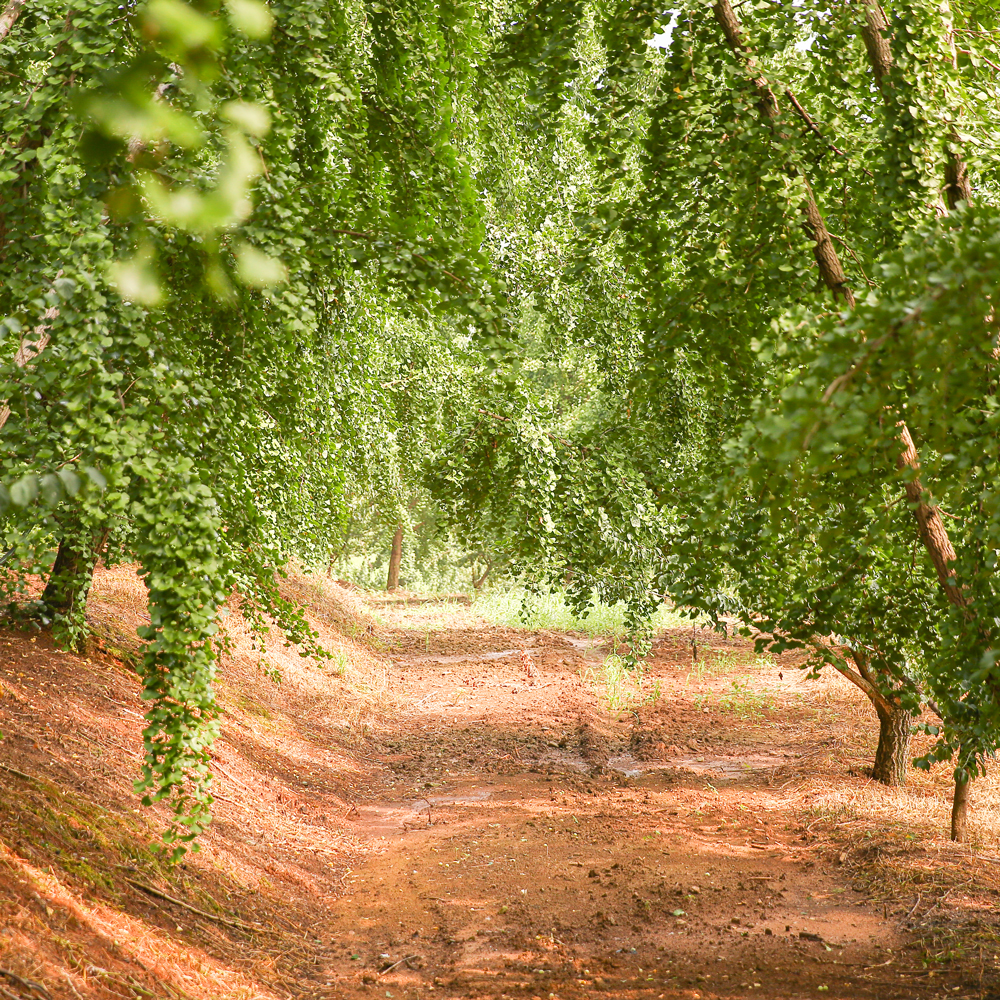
497 831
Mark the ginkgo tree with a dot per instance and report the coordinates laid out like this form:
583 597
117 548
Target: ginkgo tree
779 185
696 301
801 170
200 200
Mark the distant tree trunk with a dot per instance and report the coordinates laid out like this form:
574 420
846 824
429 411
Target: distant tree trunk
71 577
893 754
478 584
395 559
960 806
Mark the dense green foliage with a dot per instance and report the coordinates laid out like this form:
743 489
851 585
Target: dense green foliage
594 294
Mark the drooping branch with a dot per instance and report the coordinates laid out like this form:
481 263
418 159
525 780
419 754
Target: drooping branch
830 268
930 525
840 664
876 33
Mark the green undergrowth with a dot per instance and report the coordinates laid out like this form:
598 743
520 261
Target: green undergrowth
519 608
621 686
716 663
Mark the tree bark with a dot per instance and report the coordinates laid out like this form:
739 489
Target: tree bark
960 810
892 756
930 525
395 559
11 12
876 37
478 584
71 577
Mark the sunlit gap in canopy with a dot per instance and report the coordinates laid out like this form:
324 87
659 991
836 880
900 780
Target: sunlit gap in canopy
662 40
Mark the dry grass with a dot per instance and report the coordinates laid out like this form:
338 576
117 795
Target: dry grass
893 842
288 765
351 689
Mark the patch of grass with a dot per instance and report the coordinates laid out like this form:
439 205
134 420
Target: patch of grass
745 701
742 700
714 663
623 688
339 663
518 608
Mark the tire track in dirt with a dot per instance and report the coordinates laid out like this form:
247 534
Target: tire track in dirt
535 845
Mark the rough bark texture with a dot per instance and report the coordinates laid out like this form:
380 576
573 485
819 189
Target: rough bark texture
830 268
876 35
70 580
960 811
10 14
893 755
395 559
930 525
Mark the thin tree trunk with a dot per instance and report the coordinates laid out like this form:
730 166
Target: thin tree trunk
893 755
930 524
960 810
71 578
876 37
395 559
830 268
478 584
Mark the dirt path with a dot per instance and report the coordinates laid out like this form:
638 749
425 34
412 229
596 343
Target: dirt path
453 810
537 845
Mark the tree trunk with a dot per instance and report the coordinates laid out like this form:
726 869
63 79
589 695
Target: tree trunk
10 14
478 584
960 809
395 559
71 577
892 756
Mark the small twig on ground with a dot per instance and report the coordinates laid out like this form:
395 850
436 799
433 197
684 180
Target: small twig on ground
20 774
72 988
27 984
239 924
914 908
409 958
232 777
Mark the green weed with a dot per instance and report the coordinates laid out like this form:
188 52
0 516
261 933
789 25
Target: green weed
622 687
746 702
729 661
339 663
518 608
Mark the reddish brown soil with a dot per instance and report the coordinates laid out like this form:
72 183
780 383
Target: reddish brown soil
499 834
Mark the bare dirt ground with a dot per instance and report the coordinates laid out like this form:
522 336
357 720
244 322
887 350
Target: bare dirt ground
483 812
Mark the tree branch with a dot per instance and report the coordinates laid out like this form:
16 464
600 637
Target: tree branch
9 15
